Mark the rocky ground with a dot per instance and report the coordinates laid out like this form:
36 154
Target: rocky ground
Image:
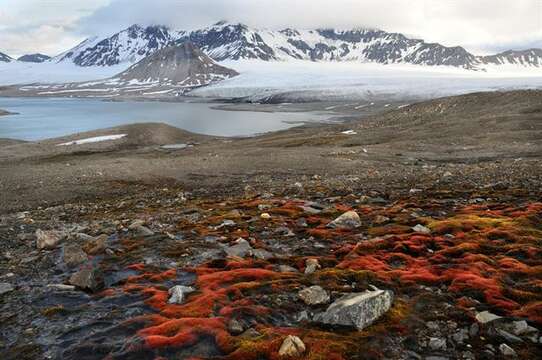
414 234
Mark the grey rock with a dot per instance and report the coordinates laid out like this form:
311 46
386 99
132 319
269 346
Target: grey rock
461 335
61 287
507 351
74 255
143 231
178 293
348 220
261 254
422 229
48 239
314 295
89 279
292 346
437 344
311 265
6 288
521 327
474 329
358 309
508 336
240 249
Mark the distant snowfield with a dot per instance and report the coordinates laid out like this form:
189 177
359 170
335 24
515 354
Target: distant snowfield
336 81
17 72
305 80
94 140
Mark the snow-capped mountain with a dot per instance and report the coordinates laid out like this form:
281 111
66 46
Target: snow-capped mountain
5 58
226 41
34 58
129 45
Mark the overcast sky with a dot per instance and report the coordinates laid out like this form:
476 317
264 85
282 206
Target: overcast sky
482 26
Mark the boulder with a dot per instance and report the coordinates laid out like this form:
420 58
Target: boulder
422 229
348 220
240 249
485 317
178 293
358 309
292 346
48 239
314 295
88 279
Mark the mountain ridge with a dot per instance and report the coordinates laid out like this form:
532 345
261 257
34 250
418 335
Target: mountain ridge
236 41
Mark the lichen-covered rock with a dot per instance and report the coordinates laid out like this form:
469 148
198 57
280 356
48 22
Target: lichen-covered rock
96 245
178 293
314 295
240 249
292 346
48 239
358 309
348 220
311 265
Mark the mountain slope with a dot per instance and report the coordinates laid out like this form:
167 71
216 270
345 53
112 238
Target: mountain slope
5 58
226 41
183 65
34 58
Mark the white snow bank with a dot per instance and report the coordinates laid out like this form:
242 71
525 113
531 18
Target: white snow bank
94 140
17 72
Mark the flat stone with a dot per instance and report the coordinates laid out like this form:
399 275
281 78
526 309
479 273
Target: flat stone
178 293
292 346
287 268
507 351
261 254
73 255
358 309
485 317
48 239
348 220
143 231
314 295
6 288
61 287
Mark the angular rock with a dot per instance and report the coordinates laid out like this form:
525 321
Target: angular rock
292 346
89 279
348 220
48 239
74 255
287 268
235 327
358 309
261 254
485 317
6 288
311 265
314 295
143 231
240 249
437 344
96 245
178 293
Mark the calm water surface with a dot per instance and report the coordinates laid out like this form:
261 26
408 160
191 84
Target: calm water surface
39 119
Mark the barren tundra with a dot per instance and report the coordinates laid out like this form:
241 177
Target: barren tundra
412 234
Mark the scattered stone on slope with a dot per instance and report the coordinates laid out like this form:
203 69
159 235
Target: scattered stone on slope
348 220
240 249
6 288
422 229
314 295
292 346
96 245
507 351
74 255
311 265
48 239
358 309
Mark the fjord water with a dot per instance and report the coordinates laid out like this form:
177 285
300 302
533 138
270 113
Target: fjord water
43 118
